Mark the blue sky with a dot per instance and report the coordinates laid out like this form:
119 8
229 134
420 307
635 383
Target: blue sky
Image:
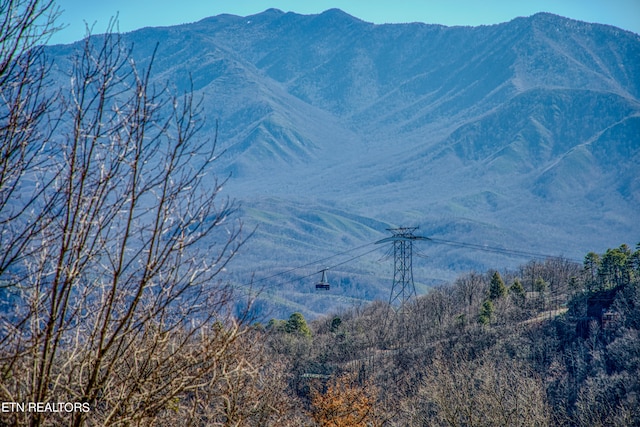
134 14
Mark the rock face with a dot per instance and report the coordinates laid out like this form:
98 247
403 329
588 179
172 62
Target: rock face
523 135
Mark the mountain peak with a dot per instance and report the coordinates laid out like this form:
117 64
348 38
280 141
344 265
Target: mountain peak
334 11
555 22
335 15
272 11
266 15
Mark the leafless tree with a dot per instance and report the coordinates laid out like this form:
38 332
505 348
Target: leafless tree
114 260
460 390
25 125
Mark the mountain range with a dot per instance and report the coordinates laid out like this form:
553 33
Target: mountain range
519 138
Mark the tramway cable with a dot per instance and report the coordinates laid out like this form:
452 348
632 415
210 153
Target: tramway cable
399 239
502 251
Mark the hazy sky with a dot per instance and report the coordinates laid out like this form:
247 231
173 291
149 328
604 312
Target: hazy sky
134 14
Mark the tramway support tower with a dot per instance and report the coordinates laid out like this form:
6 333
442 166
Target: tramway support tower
403 288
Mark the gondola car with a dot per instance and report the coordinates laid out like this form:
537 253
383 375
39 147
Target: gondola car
323 284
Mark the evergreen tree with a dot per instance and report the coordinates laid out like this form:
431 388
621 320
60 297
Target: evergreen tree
517 292
485 313
297 325
592 264
276 325
497 288
540 285
335 323
615 269
634 261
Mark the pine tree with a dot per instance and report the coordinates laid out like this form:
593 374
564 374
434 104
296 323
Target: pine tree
485 313
297 325
497 288
592 264
517 292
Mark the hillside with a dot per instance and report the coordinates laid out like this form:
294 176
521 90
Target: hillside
551 343
523 135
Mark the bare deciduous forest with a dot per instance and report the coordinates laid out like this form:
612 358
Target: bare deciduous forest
108 299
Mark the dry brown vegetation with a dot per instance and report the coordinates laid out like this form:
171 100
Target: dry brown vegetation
563 353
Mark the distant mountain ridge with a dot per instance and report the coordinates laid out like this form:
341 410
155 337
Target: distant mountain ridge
522 135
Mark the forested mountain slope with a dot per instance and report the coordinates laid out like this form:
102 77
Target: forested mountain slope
523 135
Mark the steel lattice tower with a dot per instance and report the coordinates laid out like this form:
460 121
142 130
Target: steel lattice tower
403 288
